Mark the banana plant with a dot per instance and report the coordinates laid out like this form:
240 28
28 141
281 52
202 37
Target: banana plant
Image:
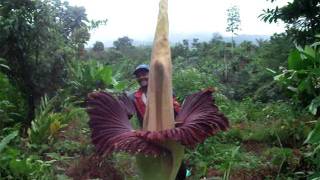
159 145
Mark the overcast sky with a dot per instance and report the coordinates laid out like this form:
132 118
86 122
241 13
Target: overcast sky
137 18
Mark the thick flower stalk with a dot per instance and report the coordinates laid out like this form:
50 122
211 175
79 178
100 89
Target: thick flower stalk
159 145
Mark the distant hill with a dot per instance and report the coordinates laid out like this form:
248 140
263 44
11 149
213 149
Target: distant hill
207 37
244 37
175 38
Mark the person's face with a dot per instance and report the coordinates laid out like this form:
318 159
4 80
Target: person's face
142 78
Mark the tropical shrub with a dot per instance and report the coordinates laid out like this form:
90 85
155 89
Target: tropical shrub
312 151
86 76
17 164
48 122
12 104
302 77
187 81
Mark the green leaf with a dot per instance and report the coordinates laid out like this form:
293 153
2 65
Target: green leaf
293 89
314 135
295 61
19 167
7 140
120 86
316 72
270 70
5 66
314 105
309 51
106 75
315 45
279 77
305 85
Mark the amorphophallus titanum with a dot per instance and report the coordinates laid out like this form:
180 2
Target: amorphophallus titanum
159 145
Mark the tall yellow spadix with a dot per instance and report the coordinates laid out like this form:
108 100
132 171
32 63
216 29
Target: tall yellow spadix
159 113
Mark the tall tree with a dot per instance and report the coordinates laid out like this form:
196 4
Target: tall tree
37 38
233 26
233 21
300 16
98 46
181 49
123 43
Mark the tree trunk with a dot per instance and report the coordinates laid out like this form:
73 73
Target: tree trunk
31 110
20 76
31 113
225 66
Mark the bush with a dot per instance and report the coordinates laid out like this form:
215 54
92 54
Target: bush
188 81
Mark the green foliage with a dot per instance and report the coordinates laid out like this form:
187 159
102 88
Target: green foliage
250 78
314 135
213 154
98 46
300 16
230 162
2 65
314 105
12 104
188 81
96 23
123 43
123 57
249 110
312 152
269 136
282 156
239 74
250 120
47 124
17 164
6 140
86 76
14 164
38 38
302 76
233 21
68 147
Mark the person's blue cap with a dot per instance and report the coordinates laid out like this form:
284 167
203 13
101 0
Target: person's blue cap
141 67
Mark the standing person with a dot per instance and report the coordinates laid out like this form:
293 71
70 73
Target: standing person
139 99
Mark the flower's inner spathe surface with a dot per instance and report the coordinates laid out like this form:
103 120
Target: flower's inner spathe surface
159 113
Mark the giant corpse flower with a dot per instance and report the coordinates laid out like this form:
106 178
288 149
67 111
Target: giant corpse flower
159 145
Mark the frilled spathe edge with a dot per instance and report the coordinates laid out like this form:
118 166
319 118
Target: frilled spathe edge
198 119
111 131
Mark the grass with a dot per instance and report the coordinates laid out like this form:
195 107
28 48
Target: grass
265 140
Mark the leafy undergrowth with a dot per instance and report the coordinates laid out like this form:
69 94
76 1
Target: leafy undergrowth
265 141
77 158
